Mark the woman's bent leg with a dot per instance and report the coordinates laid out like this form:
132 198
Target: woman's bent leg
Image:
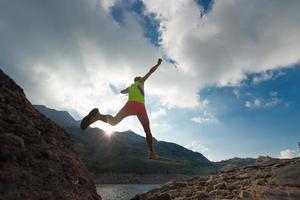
113 120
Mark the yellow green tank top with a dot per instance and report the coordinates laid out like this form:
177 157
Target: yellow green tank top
136 93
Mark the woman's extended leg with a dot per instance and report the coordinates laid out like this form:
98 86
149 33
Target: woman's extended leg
146 125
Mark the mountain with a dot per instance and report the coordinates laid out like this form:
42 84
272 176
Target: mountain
37 157
234 163
62 118
126 152
267 178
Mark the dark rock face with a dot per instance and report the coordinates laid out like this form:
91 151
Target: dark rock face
268 178
37 159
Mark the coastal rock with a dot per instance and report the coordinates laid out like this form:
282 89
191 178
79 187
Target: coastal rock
220 186
268 178
37 156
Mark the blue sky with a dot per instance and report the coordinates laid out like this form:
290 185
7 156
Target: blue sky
229 84
244 131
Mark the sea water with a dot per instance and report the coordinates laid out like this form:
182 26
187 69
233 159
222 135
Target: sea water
122 191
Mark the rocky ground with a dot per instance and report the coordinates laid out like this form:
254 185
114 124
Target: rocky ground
37 158
268 178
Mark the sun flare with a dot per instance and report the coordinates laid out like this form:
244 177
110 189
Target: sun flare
109 133
108 130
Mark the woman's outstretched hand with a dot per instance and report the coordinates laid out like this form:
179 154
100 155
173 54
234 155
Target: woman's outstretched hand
159 61
144 78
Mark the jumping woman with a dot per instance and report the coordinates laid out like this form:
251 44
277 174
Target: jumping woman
134 106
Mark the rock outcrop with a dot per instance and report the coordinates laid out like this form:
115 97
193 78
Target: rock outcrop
37 159
268 178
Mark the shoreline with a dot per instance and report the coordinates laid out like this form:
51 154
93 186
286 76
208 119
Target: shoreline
112 178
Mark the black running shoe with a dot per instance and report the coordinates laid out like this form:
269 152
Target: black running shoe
86 121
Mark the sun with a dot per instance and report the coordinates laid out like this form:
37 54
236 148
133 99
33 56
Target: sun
108 129
108 133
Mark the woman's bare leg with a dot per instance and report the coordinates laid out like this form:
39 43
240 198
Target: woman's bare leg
146 125
113 120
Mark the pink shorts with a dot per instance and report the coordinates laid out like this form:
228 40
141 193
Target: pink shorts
134 108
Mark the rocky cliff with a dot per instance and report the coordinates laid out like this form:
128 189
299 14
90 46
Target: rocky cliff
37 159
268 178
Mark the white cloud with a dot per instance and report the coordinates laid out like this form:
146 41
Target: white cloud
256 103
160 127
198 147
273 93
236 92
288 154
205 118
66 60
266 75
272 101
107 4
236 37
158 113
204 103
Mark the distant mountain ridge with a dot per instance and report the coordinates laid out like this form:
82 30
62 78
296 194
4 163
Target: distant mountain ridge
234 163
63 118
126 152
